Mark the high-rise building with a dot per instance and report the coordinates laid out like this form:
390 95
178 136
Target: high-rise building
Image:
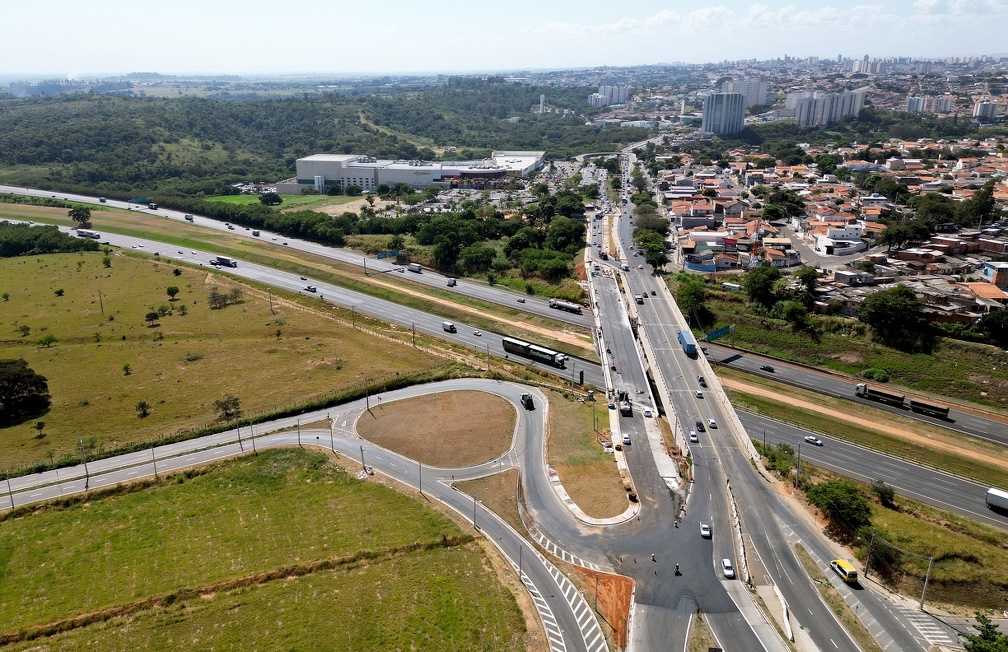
826 108
598 100
916 104
615 94
984 109
542 103
754 90
724 113
941 104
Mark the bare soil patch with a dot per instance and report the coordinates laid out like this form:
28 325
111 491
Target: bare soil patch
450 429
614 593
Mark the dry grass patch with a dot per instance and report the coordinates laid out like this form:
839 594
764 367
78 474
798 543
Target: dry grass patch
499 494
446 430
268 359
588 475
700 639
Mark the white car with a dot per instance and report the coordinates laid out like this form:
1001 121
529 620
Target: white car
626 439
693 437
647 414
712 424
705 531
478 333
697 393
640 267
813 440
727 568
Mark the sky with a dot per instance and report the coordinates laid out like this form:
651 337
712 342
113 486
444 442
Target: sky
75 38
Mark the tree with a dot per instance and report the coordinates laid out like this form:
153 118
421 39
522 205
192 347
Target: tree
759 285
127 370
177 272
885 494
809 279
990 639
228 408
106 262
152 317
80 215
47 340
143 409
995 326
24 329
6 296
896 317
40 426
23 393
172 291
841 503
270 199
793 312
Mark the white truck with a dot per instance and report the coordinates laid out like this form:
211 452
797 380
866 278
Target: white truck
415 267
449 327
226 262
997 499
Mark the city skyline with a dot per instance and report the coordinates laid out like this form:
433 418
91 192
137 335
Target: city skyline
111 37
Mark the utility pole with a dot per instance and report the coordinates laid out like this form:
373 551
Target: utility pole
154 459
798 473
868 557
101 304
367 398
363 466
240 445
365 266
474 513
270 292
332 445
10 494
414 334
252 430
421 477
299 432
353 317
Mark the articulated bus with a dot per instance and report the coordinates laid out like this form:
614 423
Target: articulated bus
535 352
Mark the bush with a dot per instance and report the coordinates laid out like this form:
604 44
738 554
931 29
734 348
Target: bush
876 374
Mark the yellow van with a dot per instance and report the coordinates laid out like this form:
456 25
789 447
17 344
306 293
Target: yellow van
845 570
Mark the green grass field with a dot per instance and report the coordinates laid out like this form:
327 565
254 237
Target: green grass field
181 365
280 550
289 201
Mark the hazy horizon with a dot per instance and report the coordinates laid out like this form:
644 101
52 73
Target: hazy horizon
107 38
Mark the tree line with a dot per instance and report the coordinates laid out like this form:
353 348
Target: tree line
27 240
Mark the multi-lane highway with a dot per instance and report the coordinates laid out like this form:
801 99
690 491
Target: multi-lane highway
665 602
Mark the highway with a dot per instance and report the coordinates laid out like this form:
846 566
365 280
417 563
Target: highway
664 606
721 459
982 426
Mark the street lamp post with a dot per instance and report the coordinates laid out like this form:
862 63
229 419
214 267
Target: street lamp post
363 466
332 445
87 476
154 459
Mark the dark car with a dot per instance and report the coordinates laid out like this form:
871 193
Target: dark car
700 426
766 368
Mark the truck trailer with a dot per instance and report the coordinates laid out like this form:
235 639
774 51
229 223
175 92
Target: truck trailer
997 499
557 304
226 262
688 342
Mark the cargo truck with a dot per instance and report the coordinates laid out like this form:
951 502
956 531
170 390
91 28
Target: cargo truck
557 304
898 400
226 262
449 327
415 267
688 342
997 500
625 407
